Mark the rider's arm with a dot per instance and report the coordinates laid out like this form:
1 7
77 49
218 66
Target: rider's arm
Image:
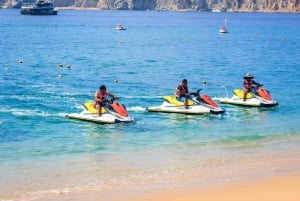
255 83
96 97
111 95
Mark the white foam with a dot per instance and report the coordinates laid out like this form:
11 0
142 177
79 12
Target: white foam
62 114
20 112
142 97
136 109
80 107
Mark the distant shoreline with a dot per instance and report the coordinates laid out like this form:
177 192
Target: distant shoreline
162 10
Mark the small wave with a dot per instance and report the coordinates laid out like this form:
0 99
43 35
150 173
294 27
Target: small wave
216 98
62 114
25 97
80 107
17 112
253 140
142 97
29 196
136 109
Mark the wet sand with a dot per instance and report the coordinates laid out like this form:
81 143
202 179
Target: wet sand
275 188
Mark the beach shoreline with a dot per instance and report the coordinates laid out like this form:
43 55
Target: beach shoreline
264 171
274 188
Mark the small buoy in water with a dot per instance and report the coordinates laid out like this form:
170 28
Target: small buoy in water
60 75
116 81
68 66
20 61
203 82
60 65
6 68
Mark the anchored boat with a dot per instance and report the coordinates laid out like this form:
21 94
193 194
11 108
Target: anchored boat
40 7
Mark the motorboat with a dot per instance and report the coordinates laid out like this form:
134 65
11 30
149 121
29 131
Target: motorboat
197 105
258 97
112 112
120 27
223 30
40 7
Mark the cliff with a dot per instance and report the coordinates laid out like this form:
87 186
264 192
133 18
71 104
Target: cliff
176 5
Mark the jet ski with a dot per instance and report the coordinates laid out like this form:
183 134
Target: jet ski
112 112
258 97
197 105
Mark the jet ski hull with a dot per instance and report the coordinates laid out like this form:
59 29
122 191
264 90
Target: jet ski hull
251 102
103 119
193 109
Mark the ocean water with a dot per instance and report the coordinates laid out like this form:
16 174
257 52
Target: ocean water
42 153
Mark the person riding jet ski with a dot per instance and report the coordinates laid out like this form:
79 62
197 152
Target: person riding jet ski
101 98
249 84
182 91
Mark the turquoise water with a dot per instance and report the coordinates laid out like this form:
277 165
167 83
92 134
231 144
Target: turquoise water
149 59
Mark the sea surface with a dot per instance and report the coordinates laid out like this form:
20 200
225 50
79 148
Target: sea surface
43 153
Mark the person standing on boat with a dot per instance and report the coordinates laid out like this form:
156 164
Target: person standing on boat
101 98
249 83
182 91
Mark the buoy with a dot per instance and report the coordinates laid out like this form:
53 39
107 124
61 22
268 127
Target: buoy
116 81
203 82
68 66
6 68
60 75
20 61
60 65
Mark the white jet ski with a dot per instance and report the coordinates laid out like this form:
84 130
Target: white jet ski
112 112
197 105
259 97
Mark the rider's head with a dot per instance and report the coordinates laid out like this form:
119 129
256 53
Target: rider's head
248 76
102 88
184 82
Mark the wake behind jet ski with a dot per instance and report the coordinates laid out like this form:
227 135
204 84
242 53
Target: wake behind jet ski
112 112
197 105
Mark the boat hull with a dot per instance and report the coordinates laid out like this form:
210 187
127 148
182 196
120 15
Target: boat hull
38 12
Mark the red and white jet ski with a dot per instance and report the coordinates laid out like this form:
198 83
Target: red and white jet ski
112 112
197 105
259 97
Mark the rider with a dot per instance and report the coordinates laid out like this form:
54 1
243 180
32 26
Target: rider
249 83
183 91
101 98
